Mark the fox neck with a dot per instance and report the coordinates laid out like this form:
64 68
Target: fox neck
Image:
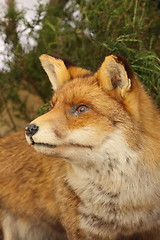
108 163
117 170
149 114
113 189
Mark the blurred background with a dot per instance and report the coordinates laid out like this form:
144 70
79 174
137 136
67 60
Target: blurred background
84 31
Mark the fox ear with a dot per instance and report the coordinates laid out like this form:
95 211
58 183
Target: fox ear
55 69
115 76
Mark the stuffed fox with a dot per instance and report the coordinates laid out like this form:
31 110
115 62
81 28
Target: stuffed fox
91 167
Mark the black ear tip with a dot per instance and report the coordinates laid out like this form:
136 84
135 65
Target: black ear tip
123 61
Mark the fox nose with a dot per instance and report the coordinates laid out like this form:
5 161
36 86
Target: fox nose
31 129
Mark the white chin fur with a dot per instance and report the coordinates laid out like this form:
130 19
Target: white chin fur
39 148
28 140
43 150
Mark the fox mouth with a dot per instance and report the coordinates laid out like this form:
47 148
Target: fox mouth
48 145
42 144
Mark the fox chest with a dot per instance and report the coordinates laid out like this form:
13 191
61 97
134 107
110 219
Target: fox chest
112 194
99 210
101 213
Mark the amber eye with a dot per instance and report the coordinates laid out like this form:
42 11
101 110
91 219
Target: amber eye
79 109
82 108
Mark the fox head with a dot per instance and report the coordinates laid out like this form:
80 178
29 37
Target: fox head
91 114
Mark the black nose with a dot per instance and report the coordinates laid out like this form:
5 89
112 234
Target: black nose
31 129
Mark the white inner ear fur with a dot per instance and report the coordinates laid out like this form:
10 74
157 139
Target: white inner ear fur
113 75
125 82
49 69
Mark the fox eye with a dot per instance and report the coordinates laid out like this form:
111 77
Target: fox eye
79 109
82 108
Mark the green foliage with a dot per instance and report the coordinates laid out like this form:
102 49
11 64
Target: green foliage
128 28
44 109
85 31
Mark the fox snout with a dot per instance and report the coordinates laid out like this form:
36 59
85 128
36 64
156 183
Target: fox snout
31 129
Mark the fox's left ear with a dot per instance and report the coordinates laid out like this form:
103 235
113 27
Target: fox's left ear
55 69
115 76
60 70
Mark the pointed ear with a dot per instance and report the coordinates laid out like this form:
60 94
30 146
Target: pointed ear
115 76
60 70
55 69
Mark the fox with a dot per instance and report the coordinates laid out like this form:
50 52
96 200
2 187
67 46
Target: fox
89 168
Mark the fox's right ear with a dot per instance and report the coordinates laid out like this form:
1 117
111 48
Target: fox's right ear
60 70
115 76
55 69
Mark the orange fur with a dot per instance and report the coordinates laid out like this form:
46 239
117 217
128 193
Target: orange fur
101 177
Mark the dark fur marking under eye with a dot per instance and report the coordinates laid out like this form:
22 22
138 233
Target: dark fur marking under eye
57 133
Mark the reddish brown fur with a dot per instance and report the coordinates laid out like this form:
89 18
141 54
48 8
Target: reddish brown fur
37 189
